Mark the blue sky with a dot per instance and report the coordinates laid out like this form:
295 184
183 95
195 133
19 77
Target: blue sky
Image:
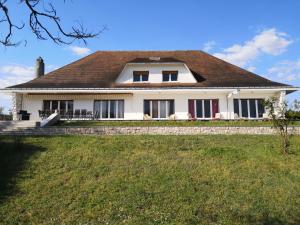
262 36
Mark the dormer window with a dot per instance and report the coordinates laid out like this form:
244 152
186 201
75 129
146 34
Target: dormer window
140 76
169 76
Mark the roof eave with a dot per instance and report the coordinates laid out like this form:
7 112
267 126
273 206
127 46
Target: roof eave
289 89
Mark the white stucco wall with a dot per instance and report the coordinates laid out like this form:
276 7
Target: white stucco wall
155 72
133 103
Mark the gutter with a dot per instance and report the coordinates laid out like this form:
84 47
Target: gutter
136 89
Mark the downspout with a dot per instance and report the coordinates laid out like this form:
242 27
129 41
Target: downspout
234 92
227 108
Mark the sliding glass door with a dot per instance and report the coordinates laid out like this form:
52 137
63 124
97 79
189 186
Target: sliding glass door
63 106
159 109
109 109
203 108
249 108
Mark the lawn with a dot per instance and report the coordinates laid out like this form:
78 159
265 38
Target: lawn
238 123
149 180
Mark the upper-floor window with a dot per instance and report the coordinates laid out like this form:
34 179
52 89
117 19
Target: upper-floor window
140 76
169 76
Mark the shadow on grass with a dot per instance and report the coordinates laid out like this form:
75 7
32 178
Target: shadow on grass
261 219
269 220
14 154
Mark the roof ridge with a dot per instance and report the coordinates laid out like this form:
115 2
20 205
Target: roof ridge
178 50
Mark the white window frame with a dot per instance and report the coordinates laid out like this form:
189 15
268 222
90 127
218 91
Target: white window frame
108 109
58 104
203 109
169 76
248 104
158 107
140 77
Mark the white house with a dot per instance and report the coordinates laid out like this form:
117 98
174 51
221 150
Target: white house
138 85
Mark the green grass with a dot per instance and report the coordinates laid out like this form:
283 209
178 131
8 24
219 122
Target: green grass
149 180
240 123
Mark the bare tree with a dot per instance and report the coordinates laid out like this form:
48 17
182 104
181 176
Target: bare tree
39 21
281 121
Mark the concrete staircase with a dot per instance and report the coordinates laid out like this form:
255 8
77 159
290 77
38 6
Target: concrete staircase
10 127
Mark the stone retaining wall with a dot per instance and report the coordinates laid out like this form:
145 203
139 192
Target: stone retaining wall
146 130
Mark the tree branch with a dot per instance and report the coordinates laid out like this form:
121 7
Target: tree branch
7 40
41 29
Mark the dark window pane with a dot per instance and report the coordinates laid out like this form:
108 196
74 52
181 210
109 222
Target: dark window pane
147 107
97 109
70 106
261 108
46 105
171 107
165 77
121 109
136 77
236 106
207 112
104 106
244 106
252 106
163 109
54 105
199 109
63 106
113 109
145 77
174 77
154 109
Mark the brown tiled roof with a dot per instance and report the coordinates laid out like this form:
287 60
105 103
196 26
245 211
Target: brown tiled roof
101 69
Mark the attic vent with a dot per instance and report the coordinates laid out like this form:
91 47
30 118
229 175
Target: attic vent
154 58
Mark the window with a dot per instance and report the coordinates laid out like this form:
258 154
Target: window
249 108
109 109
199 111
120 109
169 76
159 109
203 108
207 110
104 111
54 105
244 105
140 76
46 105
63 106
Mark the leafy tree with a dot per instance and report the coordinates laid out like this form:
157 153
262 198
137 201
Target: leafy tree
296 105
278 114
41 17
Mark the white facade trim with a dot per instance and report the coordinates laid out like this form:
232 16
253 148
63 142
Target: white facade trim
141 90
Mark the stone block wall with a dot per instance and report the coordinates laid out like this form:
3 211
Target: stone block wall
147 131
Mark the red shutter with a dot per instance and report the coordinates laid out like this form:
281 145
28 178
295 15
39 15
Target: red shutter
192 108
215 107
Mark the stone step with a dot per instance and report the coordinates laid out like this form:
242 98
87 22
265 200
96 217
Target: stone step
11 125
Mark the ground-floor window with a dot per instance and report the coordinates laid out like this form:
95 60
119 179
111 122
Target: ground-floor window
159 109
203 108
62 106
109 109
249 108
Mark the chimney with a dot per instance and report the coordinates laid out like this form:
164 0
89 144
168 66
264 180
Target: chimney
39 67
